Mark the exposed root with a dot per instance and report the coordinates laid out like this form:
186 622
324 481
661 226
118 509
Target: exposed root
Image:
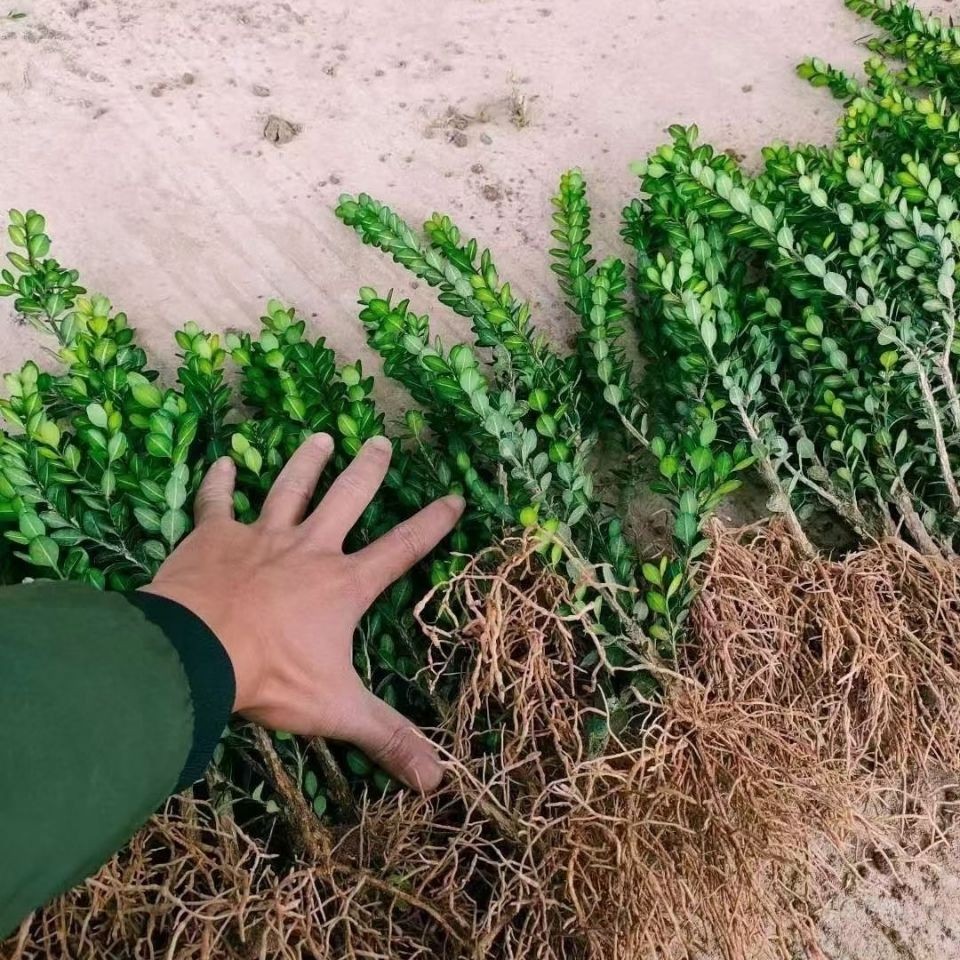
866 647
570 826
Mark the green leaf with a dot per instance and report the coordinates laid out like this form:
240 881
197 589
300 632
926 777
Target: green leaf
700 459
686 528
96 439
358 763
67 536
147 395
173 525
888 359
152 490
77 562
175 491
97 415
71 456
708 432
708 334
38 245
763 218
669 466
658 632
148 518
657 602
651 574
253 460
154 550
836 284
815 265
699 548
296 408
347 426
805 448
93 524
31 525
116 446
49 433
44 552
159 445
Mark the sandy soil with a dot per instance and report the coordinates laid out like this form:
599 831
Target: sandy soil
139 129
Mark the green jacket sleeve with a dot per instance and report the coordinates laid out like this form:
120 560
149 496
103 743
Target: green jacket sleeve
108 704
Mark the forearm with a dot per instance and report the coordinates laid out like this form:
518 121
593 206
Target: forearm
108 703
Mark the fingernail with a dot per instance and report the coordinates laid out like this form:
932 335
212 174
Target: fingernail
224 463
322 441
380 443
456 501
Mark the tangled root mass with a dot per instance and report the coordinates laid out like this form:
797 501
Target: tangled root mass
714 829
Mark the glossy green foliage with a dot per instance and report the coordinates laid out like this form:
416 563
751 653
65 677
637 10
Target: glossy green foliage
798 323
99 459
536 419
815 301
99 462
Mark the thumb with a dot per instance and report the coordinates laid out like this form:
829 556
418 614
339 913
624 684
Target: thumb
394 743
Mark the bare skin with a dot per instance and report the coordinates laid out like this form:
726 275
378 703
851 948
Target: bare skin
285 600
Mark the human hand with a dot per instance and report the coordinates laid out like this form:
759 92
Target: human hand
284 599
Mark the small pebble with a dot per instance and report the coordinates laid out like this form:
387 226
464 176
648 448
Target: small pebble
280 131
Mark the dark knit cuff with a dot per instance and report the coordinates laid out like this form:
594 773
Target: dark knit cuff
209 673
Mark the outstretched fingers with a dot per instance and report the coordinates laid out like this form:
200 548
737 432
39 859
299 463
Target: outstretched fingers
388 558
351 492
290 495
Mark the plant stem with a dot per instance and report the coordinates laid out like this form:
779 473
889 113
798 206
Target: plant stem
775 486
340 791
943 364
925 543
934 414
300 818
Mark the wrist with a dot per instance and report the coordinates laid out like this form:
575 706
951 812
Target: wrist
240 651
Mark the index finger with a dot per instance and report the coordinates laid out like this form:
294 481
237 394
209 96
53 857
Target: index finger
388 558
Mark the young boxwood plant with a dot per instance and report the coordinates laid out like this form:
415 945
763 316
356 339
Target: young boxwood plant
99 460
534 415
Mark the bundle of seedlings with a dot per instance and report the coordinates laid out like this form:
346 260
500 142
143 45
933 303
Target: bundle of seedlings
693 831
812 305
649 753
98 466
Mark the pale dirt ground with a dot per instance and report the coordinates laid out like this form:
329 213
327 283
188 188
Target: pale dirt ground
138 129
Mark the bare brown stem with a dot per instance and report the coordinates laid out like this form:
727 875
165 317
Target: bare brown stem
943 455
333 776
301 819
775 486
